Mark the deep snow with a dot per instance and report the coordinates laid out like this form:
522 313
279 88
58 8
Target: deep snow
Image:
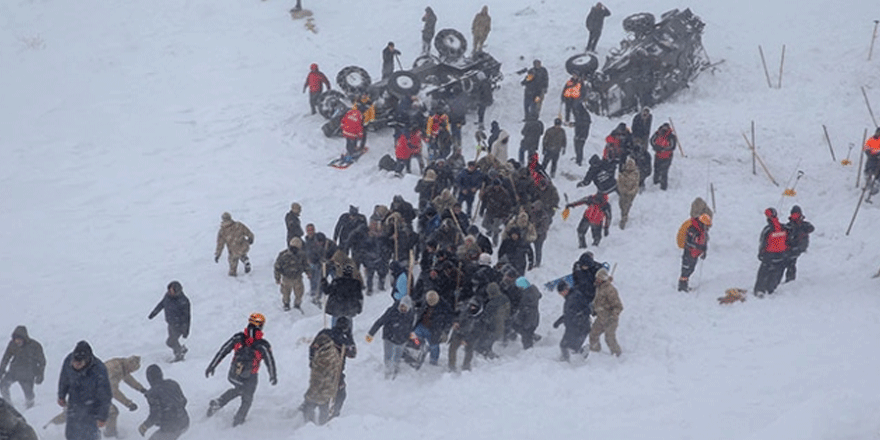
129 127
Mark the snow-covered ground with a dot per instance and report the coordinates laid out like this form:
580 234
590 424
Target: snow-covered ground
127 128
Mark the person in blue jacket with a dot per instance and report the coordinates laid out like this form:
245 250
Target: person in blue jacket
84 393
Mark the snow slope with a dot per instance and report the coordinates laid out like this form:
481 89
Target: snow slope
129 127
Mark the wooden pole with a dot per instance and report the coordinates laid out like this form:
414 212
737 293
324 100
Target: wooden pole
755 153
764 63
754 168
781 62
828 140
678 139
712 191
871 112
856 212
861 158
873 37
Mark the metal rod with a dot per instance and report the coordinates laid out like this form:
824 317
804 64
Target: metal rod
873 37
828 140
781 62
871 112
754 169
861 158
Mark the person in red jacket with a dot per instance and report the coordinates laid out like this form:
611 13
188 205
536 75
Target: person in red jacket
597 218
773 254
872 165
315 82
696 243
663 142
408 144
352 129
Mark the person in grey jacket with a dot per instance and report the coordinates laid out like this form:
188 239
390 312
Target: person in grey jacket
27 363
84 392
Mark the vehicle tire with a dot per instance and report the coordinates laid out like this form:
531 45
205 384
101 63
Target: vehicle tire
353 79
331 129
403 83
450 44
582 65
425 59
640 24
330 102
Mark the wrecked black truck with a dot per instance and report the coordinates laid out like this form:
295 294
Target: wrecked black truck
431 79
656 60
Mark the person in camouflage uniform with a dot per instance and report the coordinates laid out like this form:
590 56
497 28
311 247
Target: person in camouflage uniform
481 27
27 363
290 265
607 308
119 370
327 355
627 188
13 426
237 239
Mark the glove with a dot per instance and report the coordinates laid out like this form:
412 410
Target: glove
273 381
250 240
703 257
581 184
216 258
133 407
143 429
369 338
37 380
558 322
209 372
531 266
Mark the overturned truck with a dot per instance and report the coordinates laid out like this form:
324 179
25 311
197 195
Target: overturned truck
654 62
432 78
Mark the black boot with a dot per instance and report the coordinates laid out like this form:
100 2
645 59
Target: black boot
683 284
582 242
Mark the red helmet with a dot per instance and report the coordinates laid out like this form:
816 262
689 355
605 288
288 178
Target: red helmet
314 67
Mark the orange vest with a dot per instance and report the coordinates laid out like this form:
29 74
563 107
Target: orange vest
872 146
776 240
572 91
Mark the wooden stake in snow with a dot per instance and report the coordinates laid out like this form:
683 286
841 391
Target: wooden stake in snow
764 63
873 37
871 112
712 191
754 169
755 155
868 185
861 157
828 140
678 139
781 62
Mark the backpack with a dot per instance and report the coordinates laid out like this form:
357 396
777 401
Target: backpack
244 364
387 163
681 238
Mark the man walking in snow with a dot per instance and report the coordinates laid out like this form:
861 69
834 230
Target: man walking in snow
595 22
27 363
177 315
315 82
772 253
237 239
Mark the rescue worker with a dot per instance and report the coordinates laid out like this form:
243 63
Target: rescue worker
480 27
663 142
576 317
315 82
627 189
119 370
606 308
695 246
872 164
290 265
571 95
178 314
388 55
773 253
27 363
553 146
250 350
594 23
352 130
597 218
799 231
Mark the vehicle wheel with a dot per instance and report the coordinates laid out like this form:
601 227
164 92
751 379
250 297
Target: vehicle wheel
450 44
330 102
425 59
640 24
353 79
403 83
582 65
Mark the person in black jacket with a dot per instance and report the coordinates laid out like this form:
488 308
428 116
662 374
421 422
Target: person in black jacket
594 23
397 326
348 222
345 295
532 131
483 96
527 317
84 392
601 173
641 128
433 319
576 317
518 251
291 220
582 123
250 349
177 315
27 364
536 82
583 272
388 55
13 425
167 407
799 231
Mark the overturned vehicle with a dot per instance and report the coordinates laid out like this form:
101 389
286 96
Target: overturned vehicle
654 62
432 79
